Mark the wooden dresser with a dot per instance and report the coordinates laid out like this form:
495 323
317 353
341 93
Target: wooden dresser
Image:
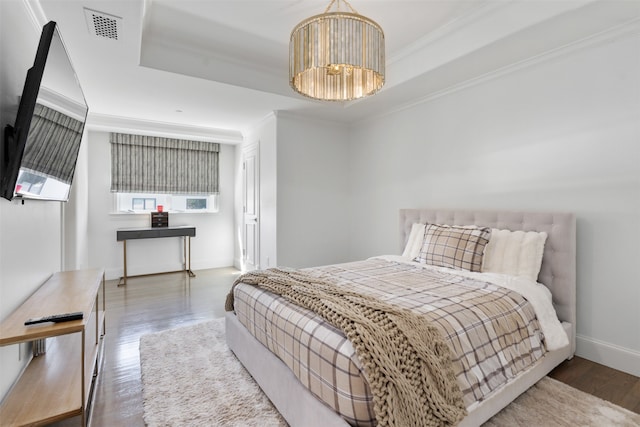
59 383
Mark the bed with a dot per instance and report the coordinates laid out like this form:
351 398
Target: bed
557 271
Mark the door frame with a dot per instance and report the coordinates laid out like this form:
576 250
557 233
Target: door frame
251 150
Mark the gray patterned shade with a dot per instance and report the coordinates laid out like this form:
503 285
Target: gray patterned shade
148 164
53 144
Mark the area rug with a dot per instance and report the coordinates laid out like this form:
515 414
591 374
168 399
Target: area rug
191 378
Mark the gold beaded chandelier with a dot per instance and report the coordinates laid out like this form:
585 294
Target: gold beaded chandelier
337 56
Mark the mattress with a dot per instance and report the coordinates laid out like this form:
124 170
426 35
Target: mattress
493 331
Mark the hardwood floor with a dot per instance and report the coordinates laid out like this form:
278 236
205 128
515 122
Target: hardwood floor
155 303
609 384
145 305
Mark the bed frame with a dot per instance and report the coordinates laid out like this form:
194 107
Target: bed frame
300 408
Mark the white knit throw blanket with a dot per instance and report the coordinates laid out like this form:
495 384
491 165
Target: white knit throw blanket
406 361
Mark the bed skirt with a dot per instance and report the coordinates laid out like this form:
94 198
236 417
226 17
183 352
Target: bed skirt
300 408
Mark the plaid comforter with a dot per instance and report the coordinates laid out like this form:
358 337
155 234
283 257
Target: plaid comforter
492 331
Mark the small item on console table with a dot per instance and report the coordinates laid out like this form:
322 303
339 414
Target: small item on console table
159 219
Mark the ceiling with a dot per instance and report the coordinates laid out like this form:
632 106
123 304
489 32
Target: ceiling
220 67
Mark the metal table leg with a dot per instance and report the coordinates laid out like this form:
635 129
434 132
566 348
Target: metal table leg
123 280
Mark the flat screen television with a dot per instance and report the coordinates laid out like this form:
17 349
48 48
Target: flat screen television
41 148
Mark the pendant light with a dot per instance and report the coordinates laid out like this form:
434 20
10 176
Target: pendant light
337 56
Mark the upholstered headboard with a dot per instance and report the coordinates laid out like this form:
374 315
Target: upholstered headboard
558 271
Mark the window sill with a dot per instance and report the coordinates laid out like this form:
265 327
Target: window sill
170 212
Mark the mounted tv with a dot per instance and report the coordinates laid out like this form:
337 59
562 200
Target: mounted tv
41 149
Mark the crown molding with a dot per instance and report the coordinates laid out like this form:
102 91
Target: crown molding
247 133
108 123
630 28
36 13
481 27
59 102
485 7
310 116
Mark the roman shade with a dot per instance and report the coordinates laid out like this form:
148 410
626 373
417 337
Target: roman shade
52 144
148 164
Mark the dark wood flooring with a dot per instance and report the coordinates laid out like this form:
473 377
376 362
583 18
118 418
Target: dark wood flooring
609 384
155 303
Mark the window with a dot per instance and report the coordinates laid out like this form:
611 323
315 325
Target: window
196 203
143 203
176 203
179 175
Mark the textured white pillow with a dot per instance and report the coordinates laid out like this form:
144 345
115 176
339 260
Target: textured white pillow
414 243
517 253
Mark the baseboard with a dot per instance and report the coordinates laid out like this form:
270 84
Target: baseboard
216 263
240 265
611 355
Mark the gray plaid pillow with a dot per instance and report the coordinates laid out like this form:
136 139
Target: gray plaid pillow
457 247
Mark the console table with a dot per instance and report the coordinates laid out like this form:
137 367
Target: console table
186 232
58 384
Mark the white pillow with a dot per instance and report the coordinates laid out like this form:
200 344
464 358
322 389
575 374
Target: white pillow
414 243
517 253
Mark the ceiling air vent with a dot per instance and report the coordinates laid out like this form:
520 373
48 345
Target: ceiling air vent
102 24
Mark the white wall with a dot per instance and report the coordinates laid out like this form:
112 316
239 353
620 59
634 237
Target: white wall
30 234
212 247
30 251
559 135
312 191
303 191
76 214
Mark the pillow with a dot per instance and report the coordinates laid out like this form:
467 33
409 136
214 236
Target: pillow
517 253
452 246
414 243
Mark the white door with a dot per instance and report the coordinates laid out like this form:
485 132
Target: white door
251 209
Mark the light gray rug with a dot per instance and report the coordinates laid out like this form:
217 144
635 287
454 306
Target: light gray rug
191 378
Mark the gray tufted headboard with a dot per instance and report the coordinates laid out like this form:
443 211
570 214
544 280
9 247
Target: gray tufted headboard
558 271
